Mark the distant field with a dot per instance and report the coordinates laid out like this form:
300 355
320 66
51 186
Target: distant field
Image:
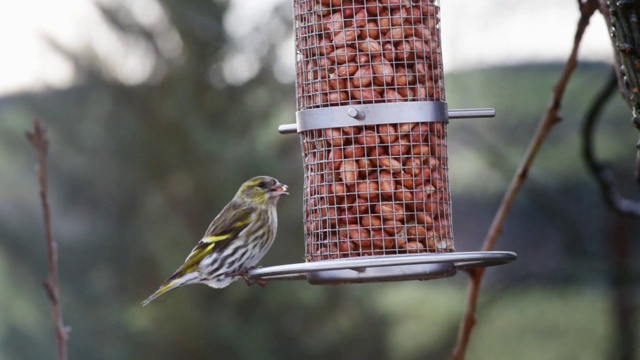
535 322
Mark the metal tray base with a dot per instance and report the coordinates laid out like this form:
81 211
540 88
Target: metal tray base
383 268
387 273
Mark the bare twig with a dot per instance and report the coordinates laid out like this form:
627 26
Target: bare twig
602 174
617 61
40 142
549 119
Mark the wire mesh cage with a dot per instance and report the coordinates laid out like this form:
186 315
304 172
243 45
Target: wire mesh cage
378 189
359 52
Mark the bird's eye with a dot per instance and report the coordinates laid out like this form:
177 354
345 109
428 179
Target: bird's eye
262 185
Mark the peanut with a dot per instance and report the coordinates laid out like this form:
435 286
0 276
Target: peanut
363 77
421 150
368 138
345 37
325 47
392 96
338 189
370 46
349 170
390 211
345 246
351 130
360 206
392 227
365 95
399 148
334 160
365 165
389 163
337 97
386 184
383 69
347 69
387 133
415 232
360 20
371 221
354 151
394 34
368 190
334 137
404 195
413 247
363 59
392 4
389 243
403 51
373 8
413 166
388 51
333 23
420 48
405 179
398 16
344 54
384 20
371 30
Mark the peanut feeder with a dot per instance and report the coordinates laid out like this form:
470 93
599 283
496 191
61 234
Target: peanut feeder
372 121
378 185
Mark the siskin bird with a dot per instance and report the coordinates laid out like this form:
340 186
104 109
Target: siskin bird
235 241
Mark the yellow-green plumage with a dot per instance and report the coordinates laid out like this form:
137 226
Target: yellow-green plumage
235 241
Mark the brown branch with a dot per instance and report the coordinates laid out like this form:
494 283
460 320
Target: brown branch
617 61
622 19
549 119
40 142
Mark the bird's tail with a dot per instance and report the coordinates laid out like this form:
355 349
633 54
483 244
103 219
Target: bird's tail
172 283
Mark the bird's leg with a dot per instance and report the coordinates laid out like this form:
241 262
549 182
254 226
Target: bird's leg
245 275
261 283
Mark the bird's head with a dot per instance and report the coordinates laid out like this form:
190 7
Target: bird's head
262 189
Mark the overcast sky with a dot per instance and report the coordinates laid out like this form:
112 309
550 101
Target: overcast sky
475 33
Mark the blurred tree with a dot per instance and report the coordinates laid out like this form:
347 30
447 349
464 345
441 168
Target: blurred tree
142 171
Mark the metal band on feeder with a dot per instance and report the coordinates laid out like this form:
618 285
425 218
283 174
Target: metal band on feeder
372 120
358 112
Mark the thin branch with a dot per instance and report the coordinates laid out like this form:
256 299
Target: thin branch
602 174
549 119
617 61
40 142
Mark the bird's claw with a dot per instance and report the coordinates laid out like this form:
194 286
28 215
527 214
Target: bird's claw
261 283
244 273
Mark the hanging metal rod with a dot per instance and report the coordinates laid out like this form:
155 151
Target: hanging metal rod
473 113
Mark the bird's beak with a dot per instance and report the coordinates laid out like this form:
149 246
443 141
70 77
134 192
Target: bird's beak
279 189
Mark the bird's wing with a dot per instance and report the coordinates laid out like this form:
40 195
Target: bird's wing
219 234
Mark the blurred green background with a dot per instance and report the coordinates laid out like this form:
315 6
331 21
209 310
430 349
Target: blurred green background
137 172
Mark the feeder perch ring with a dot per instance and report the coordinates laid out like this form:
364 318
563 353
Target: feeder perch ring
383 268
